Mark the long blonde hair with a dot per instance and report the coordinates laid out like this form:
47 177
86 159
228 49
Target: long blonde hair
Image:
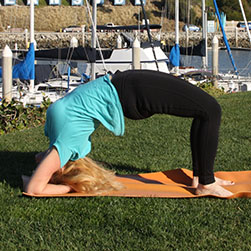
85 175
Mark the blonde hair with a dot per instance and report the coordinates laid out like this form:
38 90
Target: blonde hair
85 175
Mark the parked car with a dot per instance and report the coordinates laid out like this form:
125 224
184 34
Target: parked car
243 25
107 27
190 27
72 28
110 25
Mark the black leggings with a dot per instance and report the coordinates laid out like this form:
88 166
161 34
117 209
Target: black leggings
143 93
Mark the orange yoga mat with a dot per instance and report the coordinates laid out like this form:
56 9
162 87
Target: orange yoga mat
170 184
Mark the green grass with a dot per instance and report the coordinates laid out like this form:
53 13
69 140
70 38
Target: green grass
100 223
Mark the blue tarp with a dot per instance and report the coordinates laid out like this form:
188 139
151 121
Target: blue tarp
174 56
25 69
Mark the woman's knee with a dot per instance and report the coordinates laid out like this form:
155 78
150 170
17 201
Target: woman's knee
214 110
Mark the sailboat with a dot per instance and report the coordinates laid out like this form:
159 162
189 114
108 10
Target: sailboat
232 82
151 57
53 88
113 59
199 50
48 85
98 61
107 59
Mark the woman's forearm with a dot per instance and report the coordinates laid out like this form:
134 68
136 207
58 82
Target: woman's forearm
49 188
39 182
56 189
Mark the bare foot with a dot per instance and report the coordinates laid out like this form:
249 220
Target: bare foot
212 189
221 182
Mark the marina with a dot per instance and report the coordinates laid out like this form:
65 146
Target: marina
130 53
58 87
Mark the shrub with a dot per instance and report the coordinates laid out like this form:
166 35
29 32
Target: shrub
14 116
211 89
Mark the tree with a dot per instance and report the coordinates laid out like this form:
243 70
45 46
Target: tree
232 9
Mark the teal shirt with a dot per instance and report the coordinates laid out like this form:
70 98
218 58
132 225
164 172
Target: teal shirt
72 119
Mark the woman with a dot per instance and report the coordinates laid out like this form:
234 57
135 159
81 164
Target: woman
135 94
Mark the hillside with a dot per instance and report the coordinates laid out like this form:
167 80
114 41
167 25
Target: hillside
53 18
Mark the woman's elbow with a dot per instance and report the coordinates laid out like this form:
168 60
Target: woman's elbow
33 189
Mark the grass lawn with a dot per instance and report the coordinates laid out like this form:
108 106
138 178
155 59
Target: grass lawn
104 223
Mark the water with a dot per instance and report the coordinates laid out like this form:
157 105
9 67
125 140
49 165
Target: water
242 59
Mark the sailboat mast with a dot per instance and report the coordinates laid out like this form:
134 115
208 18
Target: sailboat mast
188 11
177 21
204 34
176 68
224 36
149 35
32 39
94 31
245 20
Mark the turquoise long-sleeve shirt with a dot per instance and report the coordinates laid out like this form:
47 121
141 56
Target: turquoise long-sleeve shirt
71 120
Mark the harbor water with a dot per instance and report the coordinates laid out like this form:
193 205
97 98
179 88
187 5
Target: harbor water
242 59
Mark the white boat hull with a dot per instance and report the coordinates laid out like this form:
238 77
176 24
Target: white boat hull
121 59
